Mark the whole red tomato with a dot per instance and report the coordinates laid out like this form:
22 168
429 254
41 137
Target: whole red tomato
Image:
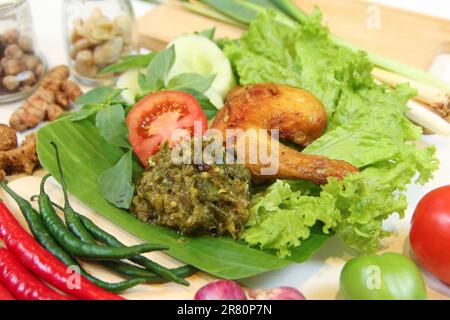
430 233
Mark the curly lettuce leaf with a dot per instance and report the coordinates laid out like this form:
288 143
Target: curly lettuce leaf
281 218
367 127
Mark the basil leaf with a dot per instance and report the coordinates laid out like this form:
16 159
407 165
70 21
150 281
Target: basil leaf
157 70
84 113
192 81
204 102
209 33
110 121
130 62
102 95
116 183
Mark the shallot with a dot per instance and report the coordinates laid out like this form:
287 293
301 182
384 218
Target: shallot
230 290
221 290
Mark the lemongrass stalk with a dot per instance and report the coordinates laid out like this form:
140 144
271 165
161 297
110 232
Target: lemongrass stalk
427 119
291 10
280 16
399 68
233 10
264 3
435 98
246 11
202 9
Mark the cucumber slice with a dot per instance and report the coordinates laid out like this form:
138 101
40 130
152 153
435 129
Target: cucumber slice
130 83
198 54
215 98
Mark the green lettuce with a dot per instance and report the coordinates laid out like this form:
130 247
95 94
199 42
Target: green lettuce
281 218
367 127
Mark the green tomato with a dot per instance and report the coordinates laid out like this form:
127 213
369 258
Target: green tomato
390 276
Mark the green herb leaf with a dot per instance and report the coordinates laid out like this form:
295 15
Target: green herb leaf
192 81
116 183
130 62
84 113
111 123
99 96
157 70
204 102
209 33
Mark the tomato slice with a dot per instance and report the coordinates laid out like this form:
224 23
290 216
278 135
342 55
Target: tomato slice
160 116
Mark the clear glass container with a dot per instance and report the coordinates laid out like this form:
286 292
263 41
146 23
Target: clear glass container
21 67
98 33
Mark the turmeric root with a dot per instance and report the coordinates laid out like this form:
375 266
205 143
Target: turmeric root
48 102
8 138
19 160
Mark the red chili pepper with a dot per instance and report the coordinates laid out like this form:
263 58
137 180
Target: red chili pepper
5 294
22 283
43 264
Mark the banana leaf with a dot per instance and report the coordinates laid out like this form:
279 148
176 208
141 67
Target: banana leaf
85 155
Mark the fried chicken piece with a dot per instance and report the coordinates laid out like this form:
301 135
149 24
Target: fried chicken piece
298 116
8 138
20 160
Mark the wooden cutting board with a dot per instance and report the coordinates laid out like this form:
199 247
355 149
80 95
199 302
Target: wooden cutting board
408 37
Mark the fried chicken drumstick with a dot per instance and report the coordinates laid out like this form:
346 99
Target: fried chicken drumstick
298 116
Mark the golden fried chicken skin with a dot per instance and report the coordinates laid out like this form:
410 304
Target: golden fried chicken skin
298 116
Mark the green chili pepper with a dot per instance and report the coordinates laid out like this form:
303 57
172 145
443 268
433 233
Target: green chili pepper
105 237
124 268
74 224
72 221
182 272
46 240
78 248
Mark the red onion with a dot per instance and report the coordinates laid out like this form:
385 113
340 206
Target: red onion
221 290
282 293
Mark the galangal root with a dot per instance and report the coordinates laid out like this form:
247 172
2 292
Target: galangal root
49 101
298 116
14 159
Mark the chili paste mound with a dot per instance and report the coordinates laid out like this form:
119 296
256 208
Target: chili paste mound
205 199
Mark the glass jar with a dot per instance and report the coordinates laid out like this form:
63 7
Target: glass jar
98 33
21 67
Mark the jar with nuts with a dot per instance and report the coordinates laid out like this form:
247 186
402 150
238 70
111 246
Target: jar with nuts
21 67
99 33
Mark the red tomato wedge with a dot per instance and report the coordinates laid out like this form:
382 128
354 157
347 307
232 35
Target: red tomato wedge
161 117
430 233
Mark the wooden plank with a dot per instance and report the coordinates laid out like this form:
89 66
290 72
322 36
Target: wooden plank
167 21
408 37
